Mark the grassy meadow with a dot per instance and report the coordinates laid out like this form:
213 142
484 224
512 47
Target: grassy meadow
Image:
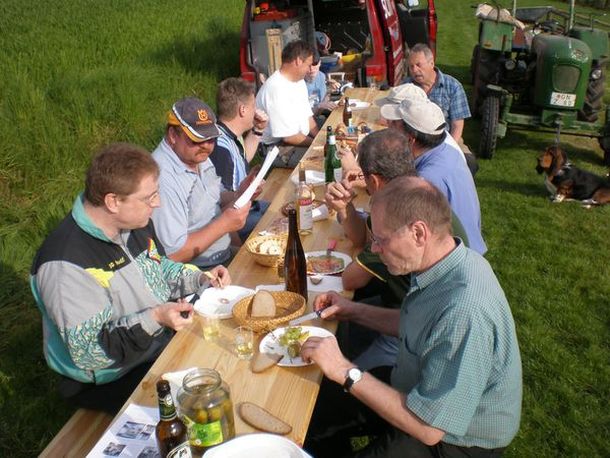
78 74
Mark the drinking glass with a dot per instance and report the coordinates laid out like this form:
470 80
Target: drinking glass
210 326
244 342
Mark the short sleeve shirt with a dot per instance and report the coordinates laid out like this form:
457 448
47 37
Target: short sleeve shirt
189 201
448 93
287 106
229 159
316 89
458 359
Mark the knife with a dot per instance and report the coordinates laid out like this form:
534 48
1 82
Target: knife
194 299
309 316
332 244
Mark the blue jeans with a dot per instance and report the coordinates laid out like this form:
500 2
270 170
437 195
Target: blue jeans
257 210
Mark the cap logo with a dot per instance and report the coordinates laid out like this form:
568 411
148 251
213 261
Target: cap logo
203 117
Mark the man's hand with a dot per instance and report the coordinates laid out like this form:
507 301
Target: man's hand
335 306
326 105
355 178
260 120
168 314
339 195
221 277
235 218
324 351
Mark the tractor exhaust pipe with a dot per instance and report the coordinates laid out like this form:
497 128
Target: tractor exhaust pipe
571 20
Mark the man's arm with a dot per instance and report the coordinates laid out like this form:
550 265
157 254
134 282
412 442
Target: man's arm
231 219
354 277
383 399
457 127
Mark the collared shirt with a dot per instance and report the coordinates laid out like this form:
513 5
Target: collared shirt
445 169
229 158
448 93
458 359
189 201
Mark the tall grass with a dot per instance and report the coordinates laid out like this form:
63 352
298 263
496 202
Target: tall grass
78 74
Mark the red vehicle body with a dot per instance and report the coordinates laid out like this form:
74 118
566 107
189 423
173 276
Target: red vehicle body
376 32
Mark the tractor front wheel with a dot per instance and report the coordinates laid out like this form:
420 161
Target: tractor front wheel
593 100
490 115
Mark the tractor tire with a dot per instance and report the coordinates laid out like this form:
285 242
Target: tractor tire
593 100
490 117
484 69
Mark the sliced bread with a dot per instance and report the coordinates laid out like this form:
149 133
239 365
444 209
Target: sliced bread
259 418
263 361
263 304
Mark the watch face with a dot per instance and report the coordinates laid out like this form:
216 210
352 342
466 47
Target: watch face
355 374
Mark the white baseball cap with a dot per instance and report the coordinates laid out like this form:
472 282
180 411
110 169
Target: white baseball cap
406 91
422 115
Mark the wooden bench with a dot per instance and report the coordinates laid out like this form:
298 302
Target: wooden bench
79 434
274 181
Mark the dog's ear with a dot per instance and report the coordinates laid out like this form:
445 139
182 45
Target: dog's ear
559 158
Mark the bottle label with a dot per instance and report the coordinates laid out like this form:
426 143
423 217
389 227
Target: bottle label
338 174
182 451
305 214
204 434
332 140
167 410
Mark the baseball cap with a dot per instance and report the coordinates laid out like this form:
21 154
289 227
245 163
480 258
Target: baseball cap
196 118
399 93
422 115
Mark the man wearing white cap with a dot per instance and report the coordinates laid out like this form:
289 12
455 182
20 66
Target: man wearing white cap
196 218
424 125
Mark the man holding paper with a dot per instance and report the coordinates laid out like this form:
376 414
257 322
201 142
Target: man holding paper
197 218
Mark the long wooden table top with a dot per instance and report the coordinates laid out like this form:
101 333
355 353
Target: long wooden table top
289 393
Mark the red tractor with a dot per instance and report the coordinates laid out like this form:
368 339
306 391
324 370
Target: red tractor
365 40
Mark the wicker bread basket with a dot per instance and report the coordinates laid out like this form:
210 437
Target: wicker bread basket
269 260
288 307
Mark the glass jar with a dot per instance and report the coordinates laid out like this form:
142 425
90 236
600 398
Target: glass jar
204 403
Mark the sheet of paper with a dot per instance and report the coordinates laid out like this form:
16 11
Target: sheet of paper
248 193
132 435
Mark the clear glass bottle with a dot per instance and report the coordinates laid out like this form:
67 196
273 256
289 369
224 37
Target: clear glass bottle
332 162
347 115
304 204
204 403
295 264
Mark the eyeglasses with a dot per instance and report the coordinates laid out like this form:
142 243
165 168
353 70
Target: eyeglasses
151 199
382 241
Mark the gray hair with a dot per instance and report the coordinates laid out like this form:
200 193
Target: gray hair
386 153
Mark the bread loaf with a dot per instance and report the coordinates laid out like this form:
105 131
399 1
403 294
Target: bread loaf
263 361
263 304
259 418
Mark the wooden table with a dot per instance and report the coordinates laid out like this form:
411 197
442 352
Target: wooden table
289 393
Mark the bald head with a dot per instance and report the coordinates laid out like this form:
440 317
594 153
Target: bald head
408 199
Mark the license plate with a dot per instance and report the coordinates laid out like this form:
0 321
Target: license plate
559 99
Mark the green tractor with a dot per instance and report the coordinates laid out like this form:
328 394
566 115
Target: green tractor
536 69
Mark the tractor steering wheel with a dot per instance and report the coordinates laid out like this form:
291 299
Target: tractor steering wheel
550 26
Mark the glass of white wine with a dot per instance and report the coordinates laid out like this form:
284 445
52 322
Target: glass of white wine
210 326
244 342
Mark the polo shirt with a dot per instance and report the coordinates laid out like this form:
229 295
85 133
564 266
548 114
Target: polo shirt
189 201
448 93
444 168
229 158
458 358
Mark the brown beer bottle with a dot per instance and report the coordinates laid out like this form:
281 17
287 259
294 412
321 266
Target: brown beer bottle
347 114
171 432
295 265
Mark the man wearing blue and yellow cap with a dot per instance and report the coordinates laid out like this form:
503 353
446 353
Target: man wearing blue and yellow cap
197 217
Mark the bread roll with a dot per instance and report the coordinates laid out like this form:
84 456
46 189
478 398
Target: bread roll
263 361
259 418
263 304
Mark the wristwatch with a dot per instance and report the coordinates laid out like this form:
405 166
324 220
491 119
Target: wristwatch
258 133
354 375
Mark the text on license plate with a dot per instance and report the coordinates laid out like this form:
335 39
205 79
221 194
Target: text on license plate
560 99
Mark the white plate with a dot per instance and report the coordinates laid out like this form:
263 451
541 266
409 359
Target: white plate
345 257
313 177
257 445
219 302
356 104
271 344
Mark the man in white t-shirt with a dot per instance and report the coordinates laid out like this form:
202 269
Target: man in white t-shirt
284 98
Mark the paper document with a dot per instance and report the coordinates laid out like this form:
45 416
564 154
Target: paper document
248 193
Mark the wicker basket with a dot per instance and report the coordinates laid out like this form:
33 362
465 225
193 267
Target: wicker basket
288 307
269 260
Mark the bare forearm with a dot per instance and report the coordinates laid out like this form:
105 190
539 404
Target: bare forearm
354 277
299 139
354 226
457 127
380 319
251 143
199 241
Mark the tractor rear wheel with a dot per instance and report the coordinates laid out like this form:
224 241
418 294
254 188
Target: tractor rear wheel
593 100
490 116
484 69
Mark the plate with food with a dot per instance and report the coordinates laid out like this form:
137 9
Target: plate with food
312 177
319 262
219 302
287 341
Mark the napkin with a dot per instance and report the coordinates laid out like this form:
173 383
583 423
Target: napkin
175 380
328 283
320 213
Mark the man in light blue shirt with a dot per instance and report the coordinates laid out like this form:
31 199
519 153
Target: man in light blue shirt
197 217
456 389
319 99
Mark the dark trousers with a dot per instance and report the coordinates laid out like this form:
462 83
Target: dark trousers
338 417
108 397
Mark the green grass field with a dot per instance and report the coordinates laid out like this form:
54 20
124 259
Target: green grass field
79 74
